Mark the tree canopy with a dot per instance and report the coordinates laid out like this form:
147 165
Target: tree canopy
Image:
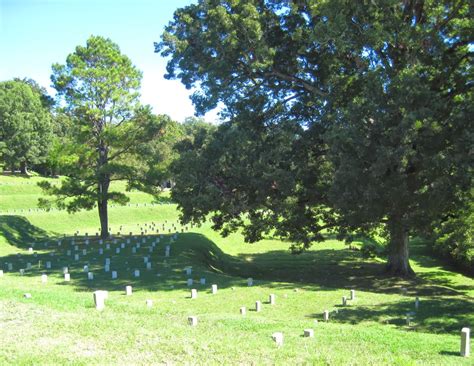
25 125
346 116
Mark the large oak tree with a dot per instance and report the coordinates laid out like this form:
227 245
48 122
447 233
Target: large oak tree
353 115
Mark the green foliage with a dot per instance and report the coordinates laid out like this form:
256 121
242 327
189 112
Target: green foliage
100 87
369 105
25 125
454 238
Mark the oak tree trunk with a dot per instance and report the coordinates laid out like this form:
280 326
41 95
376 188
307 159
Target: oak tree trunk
103 191
398 258
24 168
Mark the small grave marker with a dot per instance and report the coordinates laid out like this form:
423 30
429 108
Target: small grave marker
99 299
258 306
67 277
149 303
114 275
192 320
243 310
249 282
344 301
326 315
353 295
44 278
137 273
278 338
27 295
128 290
202 281
309 333
194 294
48 265
90 276
214 289
465 342
189 282
271 299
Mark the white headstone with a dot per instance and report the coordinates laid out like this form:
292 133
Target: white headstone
65 270
149 303
28 265
122 245
353 294
107 268
22 271
84 252
278 338
107 261
107 246
68 252
101 251
148 266
114 275
101 242
189 282
249 281
76 257
202 281
44 278
128 290
1 272
137 273
417 303
90 276
192 320
308 333
258 306
344 301
188 271
214 289
48 265
194 294
465 342
27 295
86 268
145 260
134 250
243 310
67 277
10 266
271 299
30 250
99 299
117 251
326 315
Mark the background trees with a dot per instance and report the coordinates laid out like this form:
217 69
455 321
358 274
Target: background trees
25 125
100 88
343 115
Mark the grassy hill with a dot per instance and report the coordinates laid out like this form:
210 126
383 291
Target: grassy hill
59 324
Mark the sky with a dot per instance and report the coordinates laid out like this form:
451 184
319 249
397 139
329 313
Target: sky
34 34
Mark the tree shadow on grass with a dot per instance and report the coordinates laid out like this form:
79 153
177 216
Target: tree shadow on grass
19 232
434 315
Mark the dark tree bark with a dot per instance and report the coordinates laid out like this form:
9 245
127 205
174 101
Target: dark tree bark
103 191
398 258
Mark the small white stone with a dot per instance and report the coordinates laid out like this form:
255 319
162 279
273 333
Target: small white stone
188 271
101 251
107 268
128 290
134 250
137 273
44 278
344 301
353 295
22 271
249 281
10 266
202 281
48 265
308 333
417 303
84 252
28 265
85 268
149 303
189 282
30 250
194 294
67 277
76 257
271 299
90 276
148 266
243 310
278 338
27 295
326 315
192 320
258 306
65 270
214 289
117 251
99 299
114 275
465 342
1 272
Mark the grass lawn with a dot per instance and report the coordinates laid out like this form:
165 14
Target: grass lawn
60 325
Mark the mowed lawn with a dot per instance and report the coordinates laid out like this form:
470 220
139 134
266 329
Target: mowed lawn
60 325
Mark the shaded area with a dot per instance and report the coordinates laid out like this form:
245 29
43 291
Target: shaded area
434 315
19 232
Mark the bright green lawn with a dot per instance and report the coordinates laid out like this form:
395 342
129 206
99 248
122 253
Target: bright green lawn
60 325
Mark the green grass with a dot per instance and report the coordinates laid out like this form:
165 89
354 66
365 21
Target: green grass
59 324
